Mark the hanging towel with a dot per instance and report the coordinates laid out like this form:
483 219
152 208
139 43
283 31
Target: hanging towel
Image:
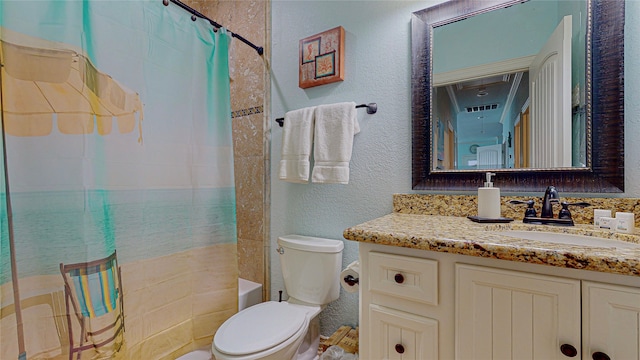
336 124
297 142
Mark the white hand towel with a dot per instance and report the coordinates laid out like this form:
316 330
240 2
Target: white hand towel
297 142
336 124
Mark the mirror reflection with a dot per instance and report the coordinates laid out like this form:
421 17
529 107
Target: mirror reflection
509 89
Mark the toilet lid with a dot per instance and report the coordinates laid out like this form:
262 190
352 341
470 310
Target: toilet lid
258 328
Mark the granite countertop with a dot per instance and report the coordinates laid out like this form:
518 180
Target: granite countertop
459 235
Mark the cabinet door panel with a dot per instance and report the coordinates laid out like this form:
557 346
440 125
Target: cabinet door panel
611 320
482 345
504 314
417 336
522 314
547 323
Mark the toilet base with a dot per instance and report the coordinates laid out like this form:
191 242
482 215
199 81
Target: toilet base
308 350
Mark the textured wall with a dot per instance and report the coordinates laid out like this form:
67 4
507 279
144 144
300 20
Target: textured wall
377 56
378 62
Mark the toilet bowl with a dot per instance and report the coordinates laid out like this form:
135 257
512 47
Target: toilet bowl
270 330
286 330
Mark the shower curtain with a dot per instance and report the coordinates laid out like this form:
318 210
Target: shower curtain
116 139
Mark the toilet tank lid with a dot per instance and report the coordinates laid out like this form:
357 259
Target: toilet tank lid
310 243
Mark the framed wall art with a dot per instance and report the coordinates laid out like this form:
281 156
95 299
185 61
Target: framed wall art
322 58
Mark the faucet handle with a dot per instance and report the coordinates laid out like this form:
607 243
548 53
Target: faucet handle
530 211
565 213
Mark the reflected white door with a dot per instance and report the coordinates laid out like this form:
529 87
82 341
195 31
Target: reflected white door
550 91
490 157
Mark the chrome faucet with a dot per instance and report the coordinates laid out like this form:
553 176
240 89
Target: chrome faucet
550 196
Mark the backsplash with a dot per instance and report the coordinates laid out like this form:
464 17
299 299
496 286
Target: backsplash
465 205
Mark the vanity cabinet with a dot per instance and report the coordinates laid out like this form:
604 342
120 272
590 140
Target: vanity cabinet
611 321
504 314
449 306
400 335
394 330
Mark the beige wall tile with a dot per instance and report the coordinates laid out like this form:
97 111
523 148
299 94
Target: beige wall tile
250 197
251 263
248 135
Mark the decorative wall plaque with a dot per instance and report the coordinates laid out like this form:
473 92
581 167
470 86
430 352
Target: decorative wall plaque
322 58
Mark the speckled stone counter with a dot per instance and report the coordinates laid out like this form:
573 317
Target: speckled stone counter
459 235
464 205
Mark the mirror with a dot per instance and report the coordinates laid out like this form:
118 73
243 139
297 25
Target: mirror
485 109
473 113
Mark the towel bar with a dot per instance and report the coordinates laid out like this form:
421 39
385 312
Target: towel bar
372 108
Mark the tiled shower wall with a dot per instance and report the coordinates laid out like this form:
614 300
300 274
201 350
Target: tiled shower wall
249 101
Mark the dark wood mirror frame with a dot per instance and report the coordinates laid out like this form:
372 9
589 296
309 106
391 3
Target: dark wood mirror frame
605 107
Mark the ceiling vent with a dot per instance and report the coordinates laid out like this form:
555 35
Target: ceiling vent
472 109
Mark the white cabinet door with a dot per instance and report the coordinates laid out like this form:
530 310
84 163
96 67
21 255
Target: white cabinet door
611 321
504 314
397 335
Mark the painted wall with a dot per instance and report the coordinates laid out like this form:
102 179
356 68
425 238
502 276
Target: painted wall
378 63
512 32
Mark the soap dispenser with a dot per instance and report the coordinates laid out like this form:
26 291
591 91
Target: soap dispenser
489 199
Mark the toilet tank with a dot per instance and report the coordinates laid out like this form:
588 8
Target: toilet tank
311 267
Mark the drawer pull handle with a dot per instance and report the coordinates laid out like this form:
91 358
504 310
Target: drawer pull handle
398 278
399 348
600 356
568 350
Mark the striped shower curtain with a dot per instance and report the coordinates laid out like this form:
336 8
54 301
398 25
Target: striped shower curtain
116 140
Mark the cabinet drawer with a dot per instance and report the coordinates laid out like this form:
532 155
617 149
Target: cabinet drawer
406 277
400 335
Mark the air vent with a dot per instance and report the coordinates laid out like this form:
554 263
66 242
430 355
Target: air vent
472 109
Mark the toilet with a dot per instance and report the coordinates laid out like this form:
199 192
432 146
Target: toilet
290 329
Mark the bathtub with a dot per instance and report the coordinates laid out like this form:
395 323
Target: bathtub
249 293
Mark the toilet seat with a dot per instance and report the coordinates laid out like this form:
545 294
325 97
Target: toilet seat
263 326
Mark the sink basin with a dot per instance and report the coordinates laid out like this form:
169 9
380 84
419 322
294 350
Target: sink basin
569 239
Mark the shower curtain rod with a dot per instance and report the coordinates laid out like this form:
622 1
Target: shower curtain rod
195 14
